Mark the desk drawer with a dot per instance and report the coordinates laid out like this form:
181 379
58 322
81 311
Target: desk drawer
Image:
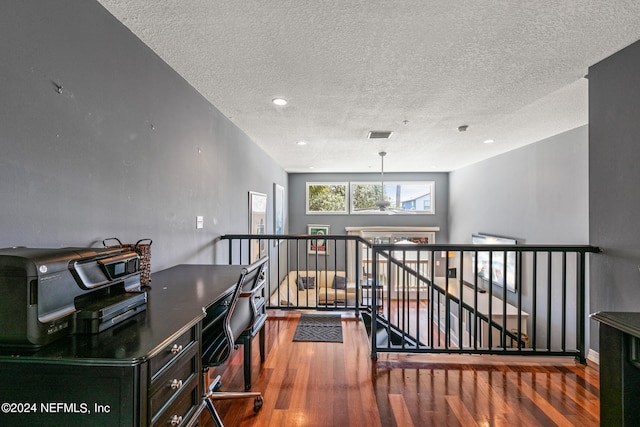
181 410
172 351
179 375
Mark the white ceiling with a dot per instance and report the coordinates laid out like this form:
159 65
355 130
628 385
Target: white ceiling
513 71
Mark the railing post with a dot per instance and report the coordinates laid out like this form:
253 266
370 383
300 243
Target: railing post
357 268
374 301
580 321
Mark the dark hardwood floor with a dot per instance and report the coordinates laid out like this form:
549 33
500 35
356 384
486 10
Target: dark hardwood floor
337 384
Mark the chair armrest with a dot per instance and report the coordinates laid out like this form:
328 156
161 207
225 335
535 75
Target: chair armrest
253 291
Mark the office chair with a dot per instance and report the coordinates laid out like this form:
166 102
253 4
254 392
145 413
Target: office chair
253 300
223 327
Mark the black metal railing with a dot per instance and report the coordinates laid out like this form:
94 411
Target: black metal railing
537 309
319 260
430 298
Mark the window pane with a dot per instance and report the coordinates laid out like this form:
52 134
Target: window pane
326 197
364 196
402 197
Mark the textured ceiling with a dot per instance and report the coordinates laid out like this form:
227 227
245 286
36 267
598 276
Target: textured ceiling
513 71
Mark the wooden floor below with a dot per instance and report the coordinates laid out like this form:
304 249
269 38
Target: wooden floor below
337 384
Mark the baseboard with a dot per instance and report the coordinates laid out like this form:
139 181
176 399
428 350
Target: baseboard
593 356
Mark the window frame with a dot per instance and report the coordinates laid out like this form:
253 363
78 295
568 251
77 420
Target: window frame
371 211
308 211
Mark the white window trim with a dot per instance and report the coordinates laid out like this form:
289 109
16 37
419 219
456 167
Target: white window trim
431 184
346 199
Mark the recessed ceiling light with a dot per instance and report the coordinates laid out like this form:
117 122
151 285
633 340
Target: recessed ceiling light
301 143
489 141
279 101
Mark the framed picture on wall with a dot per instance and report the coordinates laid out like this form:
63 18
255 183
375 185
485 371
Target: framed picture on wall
500 266
278 210
319 245
257 224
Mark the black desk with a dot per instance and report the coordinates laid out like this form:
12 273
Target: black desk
122 376
619 368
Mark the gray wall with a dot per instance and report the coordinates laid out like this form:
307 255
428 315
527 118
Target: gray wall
614 176
299 219
536 194
127 149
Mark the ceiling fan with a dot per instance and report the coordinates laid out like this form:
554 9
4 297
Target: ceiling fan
382 204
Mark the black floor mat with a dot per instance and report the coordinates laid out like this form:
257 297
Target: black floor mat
319 328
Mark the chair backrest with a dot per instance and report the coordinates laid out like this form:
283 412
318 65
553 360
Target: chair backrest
241 314
222 328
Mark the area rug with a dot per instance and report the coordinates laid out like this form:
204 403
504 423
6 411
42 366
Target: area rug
319 328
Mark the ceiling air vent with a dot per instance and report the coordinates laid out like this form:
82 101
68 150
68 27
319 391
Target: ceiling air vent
379 134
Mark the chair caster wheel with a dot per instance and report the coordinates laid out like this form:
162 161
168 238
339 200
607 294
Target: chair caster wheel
257 404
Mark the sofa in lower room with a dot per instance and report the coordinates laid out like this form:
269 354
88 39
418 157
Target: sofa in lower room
313 288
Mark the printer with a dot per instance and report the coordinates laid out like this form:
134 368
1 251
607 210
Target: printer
48 294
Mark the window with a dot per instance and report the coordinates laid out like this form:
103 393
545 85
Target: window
402 197
426 203
327 197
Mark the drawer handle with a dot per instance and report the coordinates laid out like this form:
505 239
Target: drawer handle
176 384
176 349
176 420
